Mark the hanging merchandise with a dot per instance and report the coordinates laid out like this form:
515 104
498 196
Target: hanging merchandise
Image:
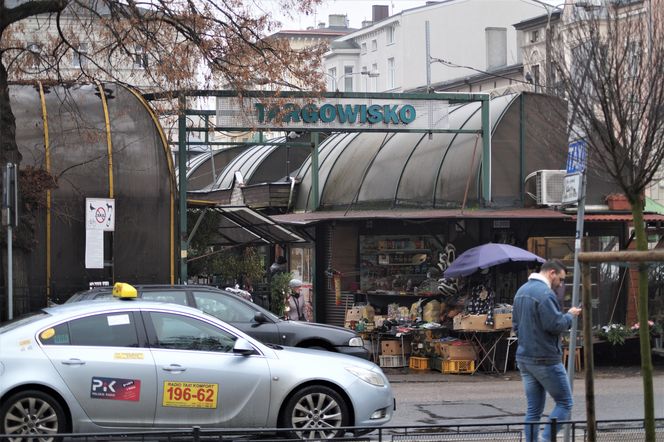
337 288
481 301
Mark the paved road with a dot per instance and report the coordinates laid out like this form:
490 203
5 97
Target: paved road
432 398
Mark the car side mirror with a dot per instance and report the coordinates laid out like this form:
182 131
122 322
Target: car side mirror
243 347
260 318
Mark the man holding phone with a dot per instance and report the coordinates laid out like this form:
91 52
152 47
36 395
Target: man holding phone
538 322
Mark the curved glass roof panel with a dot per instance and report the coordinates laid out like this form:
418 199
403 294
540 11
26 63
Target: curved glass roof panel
379 184
384 170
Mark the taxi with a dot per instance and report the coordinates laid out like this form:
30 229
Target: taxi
97 367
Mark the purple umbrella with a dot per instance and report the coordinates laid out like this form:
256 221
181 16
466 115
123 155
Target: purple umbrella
488 255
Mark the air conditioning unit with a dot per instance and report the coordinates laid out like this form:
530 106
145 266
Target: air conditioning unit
550 187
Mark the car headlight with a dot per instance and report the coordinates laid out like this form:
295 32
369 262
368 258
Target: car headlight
368 376
356 342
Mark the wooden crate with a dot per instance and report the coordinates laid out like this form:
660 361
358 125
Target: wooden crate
458 366
388 361
418 363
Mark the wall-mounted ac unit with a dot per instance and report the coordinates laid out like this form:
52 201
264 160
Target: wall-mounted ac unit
550 187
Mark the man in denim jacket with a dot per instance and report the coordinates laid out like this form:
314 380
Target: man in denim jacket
538 322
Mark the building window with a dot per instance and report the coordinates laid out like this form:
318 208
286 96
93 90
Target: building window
536 77
364 48
374 45
496 47
34 55
348 78
140 57
534 36
374 80
634 58
390 73
332 79
390 34
79 58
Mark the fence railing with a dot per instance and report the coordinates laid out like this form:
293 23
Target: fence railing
607 431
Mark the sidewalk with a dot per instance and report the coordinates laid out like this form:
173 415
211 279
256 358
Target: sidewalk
405 374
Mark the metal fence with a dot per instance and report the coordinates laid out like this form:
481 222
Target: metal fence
607 431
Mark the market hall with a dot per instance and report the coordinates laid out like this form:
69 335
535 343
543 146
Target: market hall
393 205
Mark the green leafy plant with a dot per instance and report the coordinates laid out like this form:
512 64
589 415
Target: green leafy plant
657 329
278 290
615 334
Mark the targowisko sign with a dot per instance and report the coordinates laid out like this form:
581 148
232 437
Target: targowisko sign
337 113
333 114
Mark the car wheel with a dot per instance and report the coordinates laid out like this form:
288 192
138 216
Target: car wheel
315 412
32 412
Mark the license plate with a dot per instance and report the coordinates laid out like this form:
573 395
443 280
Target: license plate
190 394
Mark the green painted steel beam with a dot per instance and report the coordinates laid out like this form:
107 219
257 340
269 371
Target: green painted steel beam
314 169
457 97
359 129
486 153
241 143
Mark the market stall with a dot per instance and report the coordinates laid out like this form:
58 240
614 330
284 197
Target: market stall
452 319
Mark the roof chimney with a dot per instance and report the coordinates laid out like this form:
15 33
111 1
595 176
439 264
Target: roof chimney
379 12
337 21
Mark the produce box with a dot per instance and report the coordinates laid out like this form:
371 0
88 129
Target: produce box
360 312
391 348
502 320
353 314
470 322
465 351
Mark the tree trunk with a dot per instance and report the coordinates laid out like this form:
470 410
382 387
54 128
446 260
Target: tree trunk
644 332
8 149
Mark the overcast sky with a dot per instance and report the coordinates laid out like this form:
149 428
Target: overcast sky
358 11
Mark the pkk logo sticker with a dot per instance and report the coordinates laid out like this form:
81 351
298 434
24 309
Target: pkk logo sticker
115 389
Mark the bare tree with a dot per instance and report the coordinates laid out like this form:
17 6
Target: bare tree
160 45
611 70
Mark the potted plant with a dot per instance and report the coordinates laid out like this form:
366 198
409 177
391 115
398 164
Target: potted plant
615 334
278 291
656 331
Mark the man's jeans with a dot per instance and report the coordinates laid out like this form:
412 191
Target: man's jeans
537 381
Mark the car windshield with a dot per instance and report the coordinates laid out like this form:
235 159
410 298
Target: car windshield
27 319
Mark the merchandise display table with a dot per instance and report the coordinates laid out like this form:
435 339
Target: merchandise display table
487 343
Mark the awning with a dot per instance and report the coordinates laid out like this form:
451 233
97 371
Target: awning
314 217
240 225
619 217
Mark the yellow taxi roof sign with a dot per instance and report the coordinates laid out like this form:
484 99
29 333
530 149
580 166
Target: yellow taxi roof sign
123 290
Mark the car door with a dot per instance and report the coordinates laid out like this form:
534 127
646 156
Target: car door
237 313
107 366
200 380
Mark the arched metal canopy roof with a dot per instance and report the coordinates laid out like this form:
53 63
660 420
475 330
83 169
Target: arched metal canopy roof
407 170
256 164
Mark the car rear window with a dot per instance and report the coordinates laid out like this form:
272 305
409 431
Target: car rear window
105 330
172 296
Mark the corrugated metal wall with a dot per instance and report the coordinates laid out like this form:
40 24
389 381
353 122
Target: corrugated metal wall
340 245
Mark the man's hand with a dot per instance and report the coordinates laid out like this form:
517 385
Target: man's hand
574 311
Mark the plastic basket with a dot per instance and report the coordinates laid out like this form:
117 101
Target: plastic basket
417 363
458 367
388 361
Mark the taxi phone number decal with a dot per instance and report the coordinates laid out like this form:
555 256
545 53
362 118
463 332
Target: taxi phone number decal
190 394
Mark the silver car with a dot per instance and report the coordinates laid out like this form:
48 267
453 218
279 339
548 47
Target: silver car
116 366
